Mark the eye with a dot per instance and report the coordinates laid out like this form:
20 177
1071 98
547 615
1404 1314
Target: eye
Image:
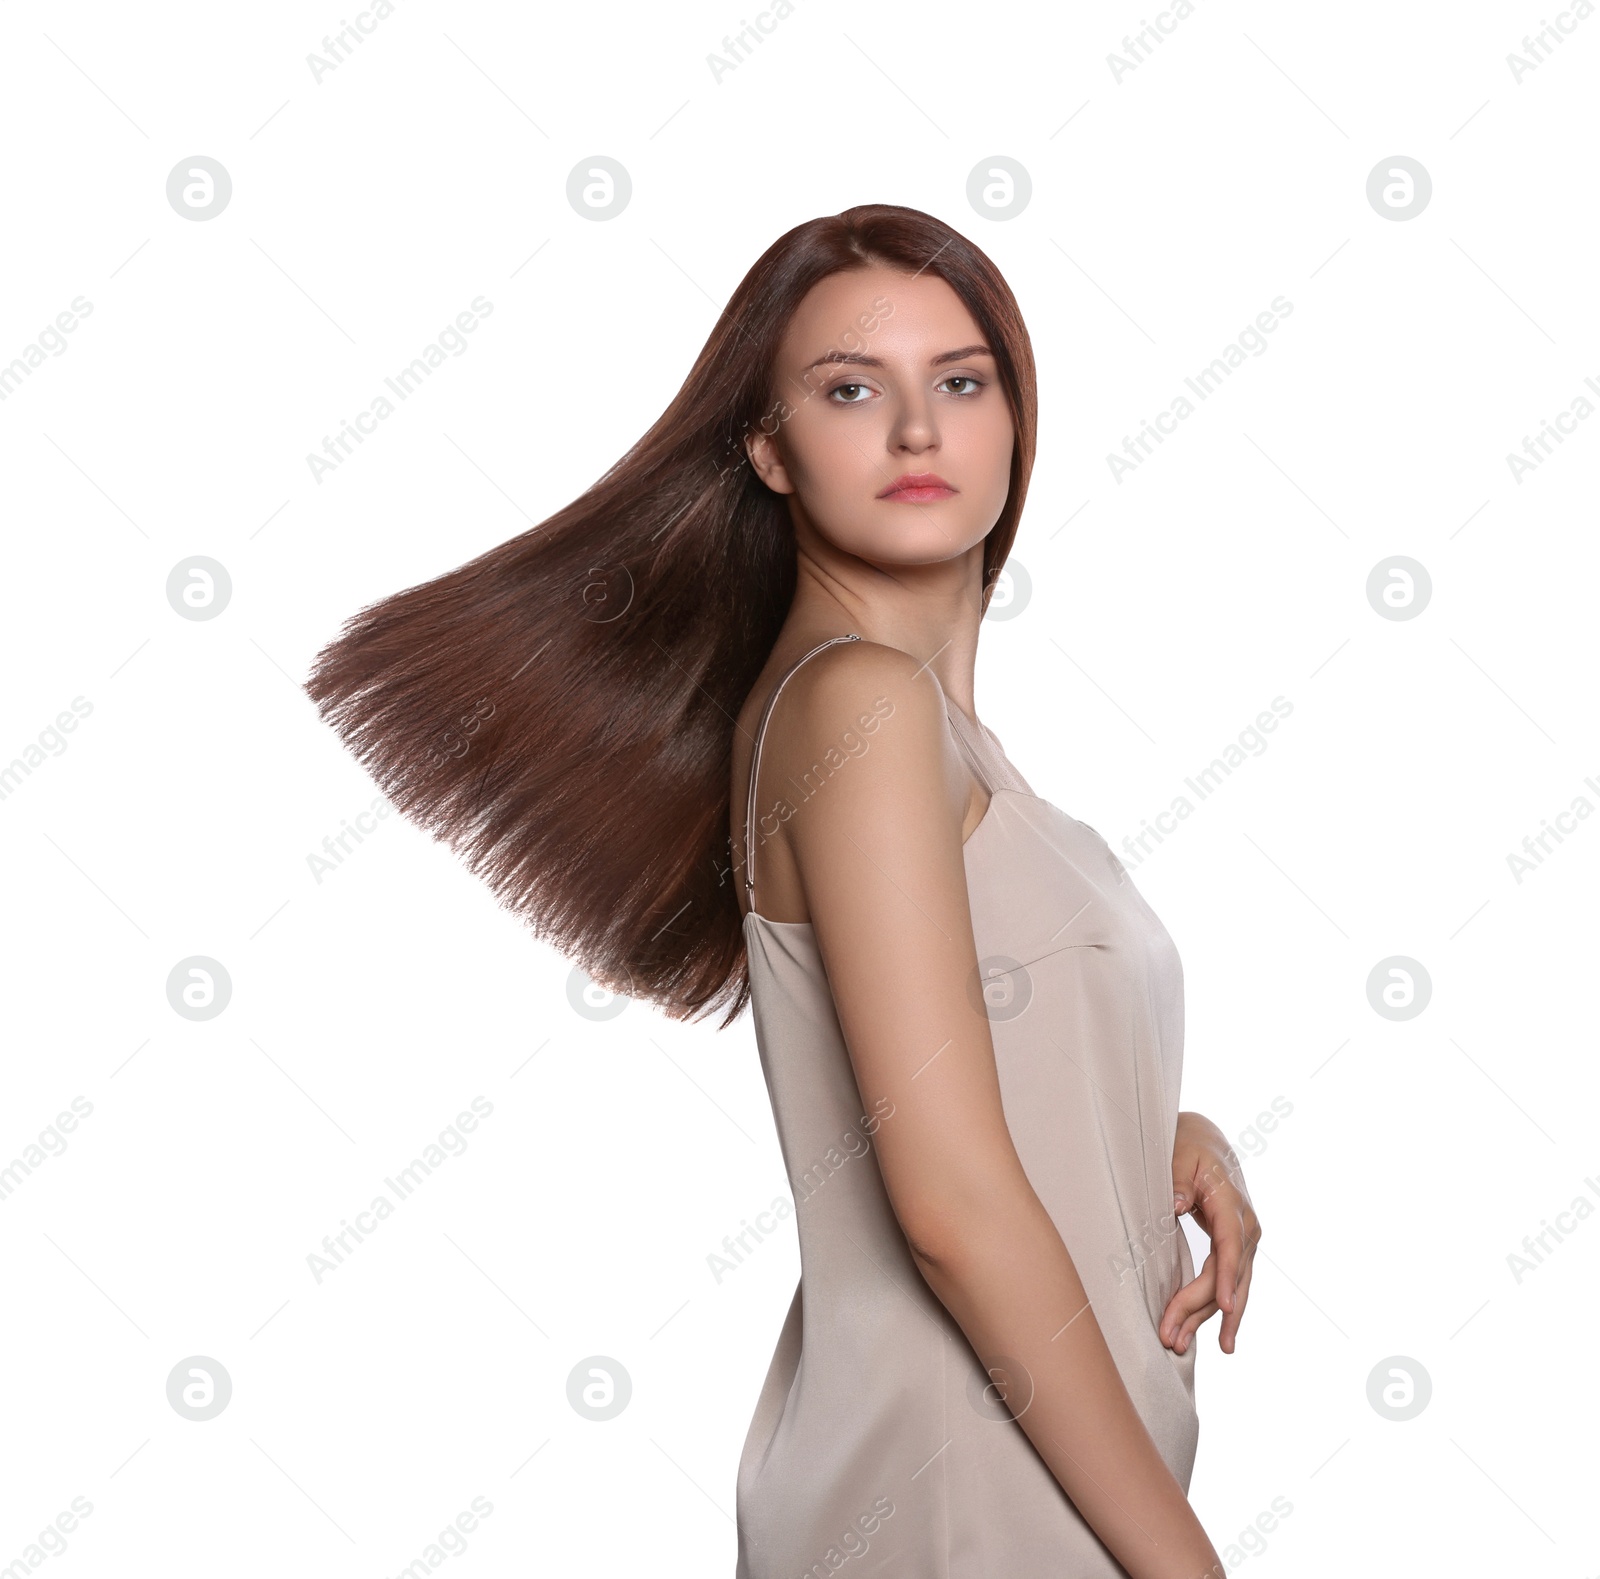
964 378
838 387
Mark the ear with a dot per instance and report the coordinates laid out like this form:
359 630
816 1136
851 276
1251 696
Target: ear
762 448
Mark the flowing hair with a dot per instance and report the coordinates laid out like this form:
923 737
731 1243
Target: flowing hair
560 710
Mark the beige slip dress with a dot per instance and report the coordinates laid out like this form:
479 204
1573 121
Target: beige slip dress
879 1445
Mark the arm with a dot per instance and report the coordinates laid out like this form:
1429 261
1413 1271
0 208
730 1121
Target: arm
879 855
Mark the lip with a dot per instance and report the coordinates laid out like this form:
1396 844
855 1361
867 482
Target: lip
918 488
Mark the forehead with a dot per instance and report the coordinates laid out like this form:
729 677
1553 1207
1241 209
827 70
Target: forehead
892 312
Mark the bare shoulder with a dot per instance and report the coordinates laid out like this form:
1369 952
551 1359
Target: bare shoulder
858 698
860 739
857 741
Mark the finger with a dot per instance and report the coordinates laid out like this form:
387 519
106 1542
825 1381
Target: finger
1227 1243
1189 1298
1192 1296
1193 1324
1231 1319
1221 1211
1179 1311
1249 1238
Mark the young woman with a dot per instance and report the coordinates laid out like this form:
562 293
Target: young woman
711 730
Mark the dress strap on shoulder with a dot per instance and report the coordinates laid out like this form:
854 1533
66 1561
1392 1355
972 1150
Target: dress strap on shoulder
980 770
963 730
755 762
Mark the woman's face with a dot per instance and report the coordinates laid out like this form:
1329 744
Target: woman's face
884 375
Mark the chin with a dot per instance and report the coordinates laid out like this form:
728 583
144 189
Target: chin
927 547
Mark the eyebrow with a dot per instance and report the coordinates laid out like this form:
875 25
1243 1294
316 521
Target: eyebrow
875 361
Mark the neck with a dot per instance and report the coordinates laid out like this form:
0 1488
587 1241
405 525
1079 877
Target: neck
931 611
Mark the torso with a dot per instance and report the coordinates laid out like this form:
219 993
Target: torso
875 1412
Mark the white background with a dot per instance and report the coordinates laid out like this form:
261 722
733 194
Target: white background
1166 611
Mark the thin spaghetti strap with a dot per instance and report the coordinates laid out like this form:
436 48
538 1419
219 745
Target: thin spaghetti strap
958 728
980 772
755 765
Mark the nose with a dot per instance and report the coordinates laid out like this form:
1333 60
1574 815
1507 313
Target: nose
915 429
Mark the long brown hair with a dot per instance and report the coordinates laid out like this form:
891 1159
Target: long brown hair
560 710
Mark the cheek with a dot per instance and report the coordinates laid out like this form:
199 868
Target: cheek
830 460
994 439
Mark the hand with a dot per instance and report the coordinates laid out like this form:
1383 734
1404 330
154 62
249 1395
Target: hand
1208 1183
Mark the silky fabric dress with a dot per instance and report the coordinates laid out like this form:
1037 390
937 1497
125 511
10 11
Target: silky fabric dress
879 1445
